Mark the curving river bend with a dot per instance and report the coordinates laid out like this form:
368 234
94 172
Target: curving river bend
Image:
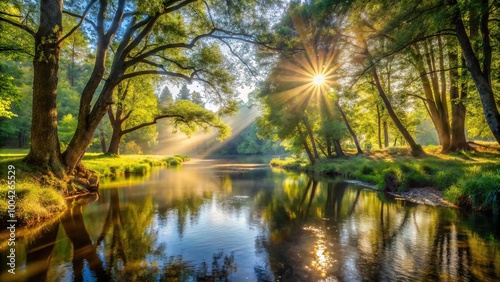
240 220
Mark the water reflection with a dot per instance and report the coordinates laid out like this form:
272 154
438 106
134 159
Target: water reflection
351 234
214 221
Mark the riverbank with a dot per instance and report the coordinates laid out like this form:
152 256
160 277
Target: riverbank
39 197
465 179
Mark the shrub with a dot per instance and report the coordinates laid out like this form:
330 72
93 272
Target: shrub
391 179
132 148
184 158
481 192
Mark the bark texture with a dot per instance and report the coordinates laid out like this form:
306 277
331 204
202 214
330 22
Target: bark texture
45 150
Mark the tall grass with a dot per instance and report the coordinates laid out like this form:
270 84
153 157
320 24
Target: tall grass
34 202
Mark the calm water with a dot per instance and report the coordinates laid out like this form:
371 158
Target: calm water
242 221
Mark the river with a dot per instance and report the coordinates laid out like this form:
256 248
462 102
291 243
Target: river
240 220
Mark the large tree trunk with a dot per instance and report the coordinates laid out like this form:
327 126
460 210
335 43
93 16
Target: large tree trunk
480 76
351 131
435 96
45 150
415 148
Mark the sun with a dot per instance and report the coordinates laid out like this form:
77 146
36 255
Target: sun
319 79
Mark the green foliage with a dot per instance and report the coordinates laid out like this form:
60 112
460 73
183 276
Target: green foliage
189 118
113 165
9 92
66 128
479 190
132 148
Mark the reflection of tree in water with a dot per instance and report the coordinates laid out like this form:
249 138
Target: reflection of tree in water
126 238
83 249
176 269
321 230
128 244
39 252
185 206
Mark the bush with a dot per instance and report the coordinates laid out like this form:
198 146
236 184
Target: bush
391 179
132 148
481 192
184 158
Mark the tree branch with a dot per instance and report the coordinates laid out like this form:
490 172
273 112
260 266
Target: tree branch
19 25
82 18
252 72
149 123
153 51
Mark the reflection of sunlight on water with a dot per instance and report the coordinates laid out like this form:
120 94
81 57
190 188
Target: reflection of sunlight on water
323 260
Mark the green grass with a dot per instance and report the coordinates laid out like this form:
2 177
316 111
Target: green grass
40 196
112 165
468 179
34 202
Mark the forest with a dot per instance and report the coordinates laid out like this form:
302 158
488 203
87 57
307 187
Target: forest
271 140
330 80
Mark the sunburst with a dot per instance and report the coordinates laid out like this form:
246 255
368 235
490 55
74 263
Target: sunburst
309 75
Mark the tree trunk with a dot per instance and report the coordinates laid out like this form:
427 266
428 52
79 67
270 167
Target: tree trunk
103 141
306 146
481 77
329 147
386 135
114 143
86 127
311 137
458 110
351 131
45 150
415 148
379 129
338 148
435 97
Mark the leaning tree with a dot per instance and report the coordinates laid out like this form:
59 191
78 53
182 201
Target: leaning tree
174 38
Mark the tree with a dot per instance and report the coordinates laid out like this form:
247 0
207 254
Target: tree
173 38
197 99
166 98
480 73
137 108
184 93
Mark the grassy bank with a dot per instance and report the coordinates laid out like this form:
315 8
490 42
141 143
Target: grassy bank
112 165
468 179
40 196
